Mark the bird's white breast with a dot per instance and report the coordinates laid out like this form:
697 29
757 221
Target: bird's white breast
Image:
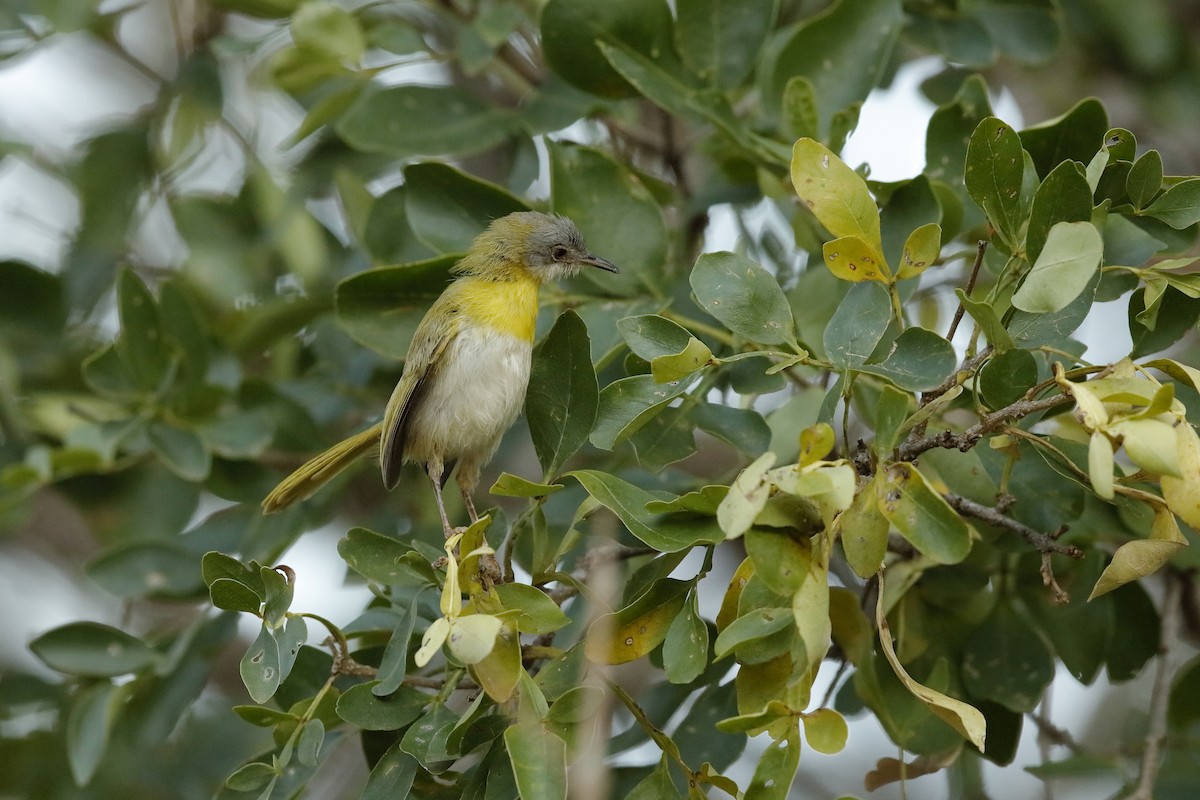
475 395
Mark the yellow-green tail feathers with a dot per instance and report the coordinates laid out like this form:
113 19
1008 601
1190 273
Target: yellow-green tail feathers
321 469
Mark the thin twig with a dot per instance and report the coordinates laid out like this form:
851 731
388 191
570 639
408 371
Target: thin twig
981 248
1144 790
969 365
1045 542
964 441
1054 734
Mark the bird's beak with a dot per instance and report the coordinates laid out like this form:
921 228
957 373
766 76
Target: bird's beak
597 261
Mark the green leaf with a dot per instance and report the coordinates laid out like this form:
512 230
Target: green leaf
757 624
1063 270
538 614
827 49
394 663
1064 196
668 533
857 325
261 667
154 568
231 595
447 208
382 307
633 631
455 123
360 706
800 120
1030 330
1178 206
744 297
308 747
329 29
1028 32
141 346
1144 179
180 451
656 786
693 357
921 515
919 360
1075 136
744 428
836 194
949 132
993 176
719 40
1005 377
987 319
392 776
1183 708
539 761
384 559
563 398
252 776
90 721
864 531
685 650
1006 661
826 731
781 560
615 211
570 30
387 234
746 497
509 485
675 94
629 403
92 650
776 768
650 336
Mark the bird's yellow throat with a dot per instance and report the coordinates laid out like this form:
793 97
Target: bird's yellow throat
508 306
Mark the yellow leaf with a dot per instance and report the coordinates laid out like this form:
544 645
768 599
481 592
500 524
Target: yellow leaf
836 194
963 717
498 672
431 642
1183 494
472 637
852 259
810 608
747 496
920 250
1142 557
1100 464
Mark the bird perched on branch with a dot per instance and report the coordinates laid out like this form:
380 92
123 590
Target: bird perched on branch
467 367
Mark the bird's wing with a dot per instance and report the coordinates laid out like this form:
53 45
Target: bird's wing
437 330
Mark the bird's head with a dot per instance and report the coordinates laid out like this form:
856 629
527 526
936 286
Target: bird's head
544 246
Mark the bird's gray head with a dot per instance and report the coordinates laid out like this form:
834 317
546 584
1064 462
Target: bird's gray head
548 246
555 248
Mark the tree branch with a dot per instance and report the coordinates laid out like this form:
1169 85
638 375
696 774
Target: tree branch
1047 543
909 451
958 315
1144 790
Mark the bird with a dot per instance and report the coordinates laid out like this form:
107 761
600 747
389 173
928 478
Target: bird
467 367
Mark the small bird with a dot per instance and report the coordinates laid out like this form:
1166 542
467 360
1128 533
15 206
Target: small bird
467 366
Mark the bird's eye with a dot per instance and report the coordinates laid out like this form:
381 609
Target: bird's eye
559 253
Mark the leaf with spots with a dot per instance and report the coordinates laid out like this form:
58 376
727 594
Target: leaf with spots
852 259
744 297
638 628
995 166
836 194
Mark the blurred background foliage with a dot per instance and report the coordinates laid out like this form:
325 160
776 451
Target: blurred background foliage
243 243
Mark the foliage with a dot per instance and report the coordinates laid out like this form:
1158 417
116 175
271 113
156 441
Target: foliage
941 508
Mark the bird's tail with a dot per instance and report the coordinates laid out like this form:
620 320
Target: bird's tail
319 470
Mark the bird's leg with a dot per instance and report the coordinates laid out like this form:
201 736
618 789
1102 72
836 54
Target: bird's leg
468 479
434 469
